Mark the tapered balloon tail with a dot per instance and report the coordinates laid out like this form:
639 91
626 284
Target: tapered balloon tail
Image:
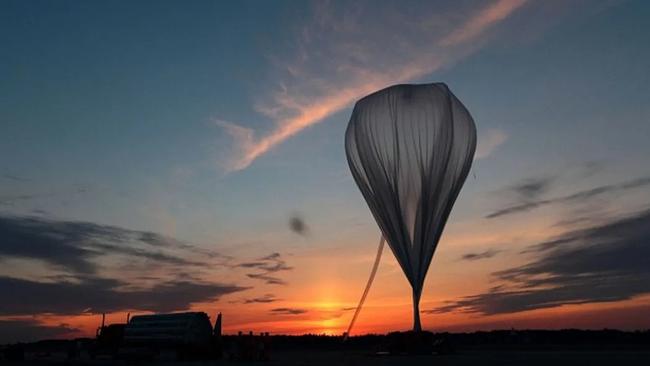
417 326
380 249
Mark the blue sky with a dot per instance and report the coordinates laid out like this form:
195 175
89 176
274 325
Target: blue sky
141 115
123 98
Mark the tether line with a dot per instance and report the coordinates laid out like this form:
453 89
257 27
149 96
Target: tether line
365 292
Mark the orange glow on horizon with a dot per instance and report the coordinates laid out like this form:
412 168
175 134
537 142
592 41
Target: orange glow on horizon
326 284
382 319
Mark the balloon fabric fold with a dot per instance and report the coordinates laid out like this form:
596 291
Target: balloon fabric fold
410 148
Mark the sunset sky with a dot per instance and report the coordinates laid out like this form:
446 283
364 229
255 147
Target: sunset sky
154 155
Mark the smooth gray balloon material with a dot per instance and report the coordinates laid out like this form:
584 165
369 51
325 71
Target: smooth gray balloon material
410 148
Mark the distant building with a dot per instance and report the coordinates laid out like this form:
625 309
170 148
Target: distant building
192 328
161 336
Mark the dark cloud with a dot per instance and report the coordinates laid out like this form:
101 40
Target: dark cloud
162 241
266 267
546 245
14 178
265 299
252 264
11 200
167 271
523 207
603 263
35 238
158 240
297 225
575 221
27 330
575 197
75 246
526 194
99 295
269 280
271 257
142 253
482 255
533 188
288 311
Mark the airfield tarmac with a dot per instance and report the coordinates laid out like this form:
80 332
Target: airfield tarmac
358 358
473 358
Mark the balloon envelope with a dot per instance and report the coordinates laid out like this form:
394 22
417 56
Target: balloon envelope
410 148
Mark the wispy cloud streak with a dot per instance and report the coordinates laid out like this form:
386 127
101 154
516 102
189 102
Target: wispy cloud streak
480 255
266 267
347 53
577 197
288 311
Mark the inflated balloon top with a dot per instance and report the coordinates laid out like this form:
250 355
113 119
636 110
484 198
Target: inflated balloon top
410 148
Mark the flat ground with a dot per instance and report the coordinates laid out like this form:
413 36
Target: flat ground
359 358
474 358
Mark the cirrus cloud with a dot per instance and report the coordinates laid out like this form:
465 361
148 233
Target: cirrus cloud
342 55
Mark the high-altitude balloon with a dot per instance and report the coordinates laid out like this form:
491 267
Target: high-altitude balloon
410 148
